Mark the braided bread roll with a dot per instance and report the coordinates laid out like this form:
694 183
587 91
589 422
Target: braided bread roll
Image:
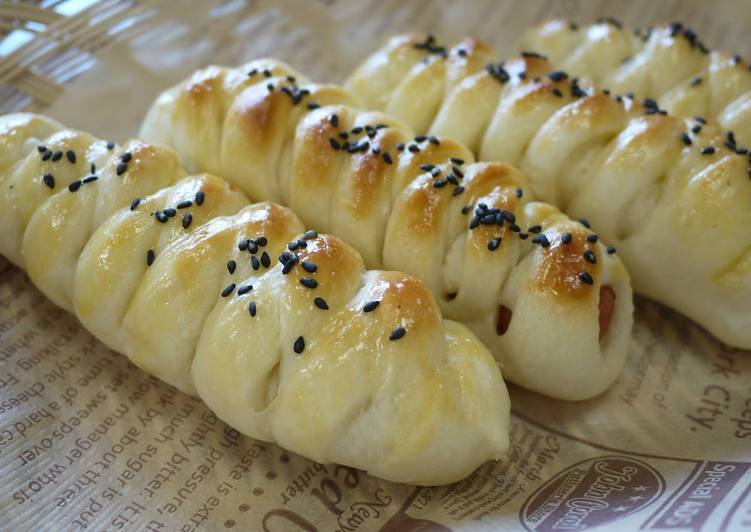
654 185
667 63
311 350
494 260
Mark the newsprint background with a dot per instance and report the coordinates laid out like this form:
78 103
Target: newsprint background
88 441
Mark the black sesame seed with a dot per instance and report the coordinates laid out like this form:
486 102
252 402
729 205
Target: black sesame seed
439 183
46 155
696 130
400 146
310 234
696 81
252 247
427 167
187 220
456 160
397 333
161 217
334 120
313 105
288 267
135 203
200 196
244 289
387 157
494 244
590 257
592 238
519 193
700 119
252 308
110 145
309 267
413 148
458 190
71 156
126 157
255 263
433 140
49 180
611 250
170 212
299 346
542 240
90 179
466 209
709 150
370 306
262 241
121 168
557 75
41 148
57 156
686 139
75 185
535 229
523 236
335 144
265 260
243 245
420 138
231 266
321 303
150 257
228 289
586 278
584 222
292 246
92 168
184 204
557 92
566 238
308 282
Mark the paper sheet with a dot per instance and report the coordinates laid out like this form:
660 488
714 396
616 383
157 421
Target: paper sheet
88 441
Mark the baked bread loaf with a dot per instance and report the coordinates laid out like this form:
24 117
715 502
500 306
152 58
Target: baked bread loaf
654 185
283 333
517 273
667 63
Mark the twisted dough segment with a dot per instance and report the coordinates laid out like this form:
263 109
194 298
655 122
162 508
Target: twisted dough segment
667 63
417 204
672 195
204 291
